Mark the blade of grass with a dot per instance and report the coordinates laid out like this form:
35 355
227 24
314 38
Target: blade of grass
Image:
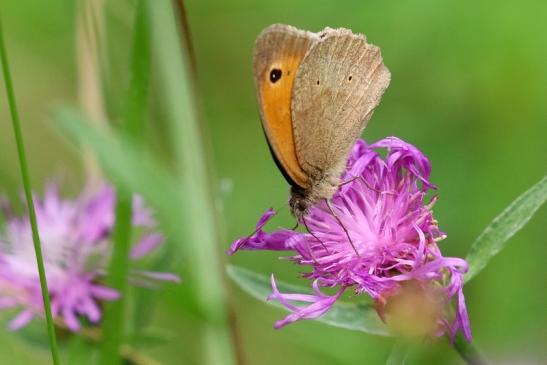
114 323
28 195
492 240
202 249
89 32
133 126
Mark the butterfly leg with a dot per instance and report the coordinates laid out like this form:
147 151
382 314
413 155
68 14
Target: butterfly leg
349 181
329 205
374 189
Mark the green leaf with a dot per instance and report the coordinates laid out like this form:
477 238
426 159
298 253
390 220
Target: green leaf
504 226
127 166
114 324
356 317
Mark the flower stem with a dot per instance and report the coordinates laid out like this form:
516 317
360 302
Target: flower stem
468 352
28 195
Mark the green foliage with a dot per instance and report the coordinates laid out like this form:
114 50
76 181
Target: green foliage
356 317
504 226
134 119
128 167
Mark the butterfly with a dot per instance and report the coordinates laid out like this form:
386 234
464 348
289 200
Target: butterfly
316 93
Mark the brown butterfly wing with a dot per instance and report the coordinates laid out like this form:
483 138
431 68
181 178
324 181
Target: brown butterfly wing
336 88
279 49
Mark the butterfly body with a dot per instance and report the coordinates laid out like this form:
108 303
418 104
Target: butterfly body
316 91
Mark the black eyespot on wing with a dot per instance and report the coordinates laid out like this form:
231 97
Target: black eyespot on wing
275 75
317 82
350 77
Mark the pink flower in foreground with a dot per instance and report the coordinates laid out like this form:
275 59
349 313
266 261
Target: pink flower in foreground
391 253
76 238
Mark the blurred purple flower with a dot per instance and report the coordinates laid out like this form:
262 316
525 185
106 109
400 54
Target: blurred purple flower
76 237
390 244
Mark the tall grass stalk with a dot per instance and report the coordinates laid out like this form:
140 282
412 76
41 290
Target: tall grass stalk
201 244
89 33
28 195
133 125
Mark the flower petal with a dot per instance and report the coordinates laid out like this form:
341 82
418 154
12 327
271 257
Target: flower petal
21 320
147 244
260 240
320 304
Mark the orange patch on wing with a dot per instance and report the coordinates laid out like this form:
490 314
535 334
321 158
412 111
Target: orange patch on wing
275 100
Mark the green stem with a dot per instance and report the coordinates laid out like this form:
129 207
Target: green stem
28 195
133 127
468 352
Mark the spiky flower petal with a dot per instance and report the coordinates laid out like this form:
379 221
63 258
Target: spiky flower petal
76 238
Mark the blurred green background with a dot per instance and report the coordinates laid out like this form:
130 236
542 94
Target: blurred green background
469 88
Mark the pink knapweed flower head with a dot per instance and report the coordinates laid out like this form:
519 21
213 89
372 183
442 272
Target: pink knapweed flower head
377 237
76 239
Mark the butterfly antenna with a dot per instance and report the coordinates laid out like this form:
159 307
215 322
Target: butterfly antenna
349 181
308 245
314 236
342 225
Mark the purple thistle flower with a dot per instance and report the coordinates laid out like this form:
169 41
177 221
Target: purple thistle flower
381 240
76 238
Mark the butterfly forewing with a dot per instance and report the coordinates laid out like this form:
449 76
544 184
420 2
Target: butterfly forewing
336 88
279 50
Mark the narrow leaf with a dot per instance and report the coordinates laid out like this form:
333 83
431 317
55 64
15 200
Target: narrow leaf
128 167
504 226
133 124
356 317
